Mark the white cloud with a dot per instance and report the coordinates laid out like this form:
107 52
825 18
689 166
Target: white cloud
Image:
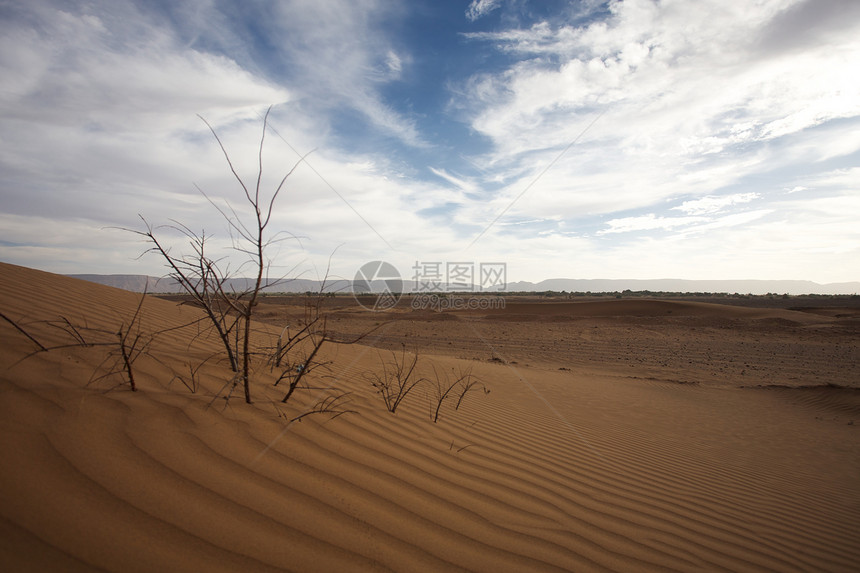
458 182
732 220
394 63
711 204
480 8
337 53
685 89
648 222
75 70
847 179
100 123
701 216
697 102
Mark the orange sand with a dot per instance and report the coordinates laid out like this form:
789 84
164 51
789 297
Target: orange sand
604 466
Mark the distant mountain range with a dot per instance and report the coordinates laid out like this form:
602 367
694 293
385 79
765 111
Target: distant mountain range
681 285
137 283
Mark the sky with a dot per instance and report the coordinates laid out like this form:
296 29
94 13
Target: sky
638 139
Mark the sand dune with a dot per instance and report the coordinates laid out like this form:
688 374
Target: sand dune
601 467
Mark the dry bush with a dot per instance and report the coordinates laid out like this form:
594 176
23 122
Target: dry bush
207 279
124 346
396 380
456 384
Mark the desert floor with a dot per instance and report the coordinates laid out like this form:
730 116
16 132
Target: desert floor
617 435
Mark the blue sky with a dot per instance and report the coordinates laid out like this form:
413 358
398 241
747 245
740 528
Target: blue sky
624 139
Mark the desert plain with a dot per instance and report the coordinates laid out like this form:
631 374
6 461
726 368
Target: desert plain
632 434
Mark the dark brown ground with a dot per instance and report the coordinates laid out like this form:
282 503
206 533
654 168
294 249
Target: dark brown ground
783 342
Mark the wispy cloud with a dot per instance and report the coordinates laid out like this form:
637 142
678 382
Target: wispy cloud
458 182
480 8
714 204
336 53
647 222
653 68
394 63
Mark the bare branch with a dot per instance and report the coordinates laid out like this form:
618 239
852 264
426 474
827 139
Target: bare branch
294 384
329 405
22 331
227 158
444 386
280 186
396 381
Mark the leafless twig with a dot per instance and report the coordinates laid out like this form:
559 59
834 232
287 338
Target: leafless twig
22 331
397 379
